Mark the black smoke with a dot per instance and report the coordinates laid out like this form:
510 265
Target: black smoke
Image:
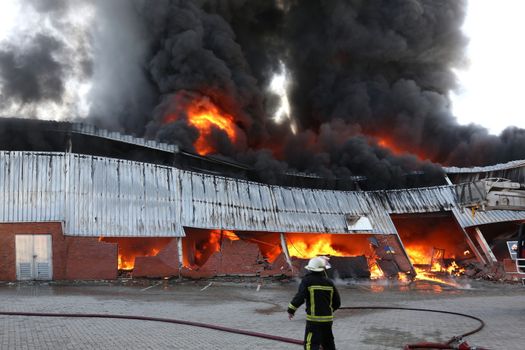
361 72
350 63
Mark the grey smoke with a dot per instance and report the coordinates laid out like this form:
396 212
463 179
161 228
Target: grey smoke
31 74
122 96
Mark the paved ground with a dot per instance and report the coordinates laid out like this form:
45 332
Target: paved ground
244 306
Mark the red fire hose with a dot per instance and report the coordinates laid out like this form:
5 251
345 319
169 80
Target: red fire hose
158 319
457 342
454 343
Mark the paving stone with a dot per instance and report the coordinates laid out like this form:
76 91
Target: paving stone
244 307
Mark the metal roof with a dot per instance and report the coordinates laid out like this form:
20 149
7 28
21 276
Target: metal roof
218 202
91 130
98 196
416 200
483 169
466 218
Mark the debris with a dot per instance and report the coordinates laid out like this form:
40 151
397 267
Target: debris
154 285
206 287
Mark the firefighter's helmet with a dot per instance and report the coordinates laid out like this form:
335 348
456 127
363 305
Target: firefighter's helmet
317 264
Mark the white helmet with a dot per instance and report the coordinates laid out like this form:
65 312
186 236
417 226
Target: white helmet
317 264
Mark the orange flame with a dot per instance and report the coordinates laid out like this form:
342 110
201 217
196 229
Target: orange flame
213 244
306 249
386 143
270 253
129 248
375 271
420 255
126 260
307 246
389 143
203 114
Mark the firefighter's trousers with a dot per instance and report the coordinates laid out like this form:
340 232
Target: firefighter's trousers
318 334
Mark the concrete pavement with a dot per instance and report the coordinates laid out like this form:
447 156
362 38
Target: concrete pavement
247 306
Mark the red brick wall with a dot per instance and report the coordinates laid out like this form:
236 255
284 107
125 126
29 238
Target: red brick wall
164 264
73 257
89 259
7 247
238 258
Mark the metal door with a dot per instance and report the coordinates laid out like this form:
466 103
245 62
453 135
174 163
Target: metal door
33 257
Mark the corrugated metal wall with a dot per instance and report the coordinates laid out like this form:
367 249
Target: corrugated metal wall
97 196
93 196
110 197
219 202
466 218
31 187
416 200
514 170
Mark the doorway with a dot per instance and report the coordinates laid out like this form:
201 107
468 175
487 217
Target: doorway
33 257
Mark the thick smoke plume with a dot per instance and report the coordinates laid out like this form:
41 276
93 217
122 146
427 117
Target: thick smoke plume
368 86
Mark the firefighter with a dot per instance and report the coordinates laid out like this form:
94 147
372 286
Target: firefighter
322 299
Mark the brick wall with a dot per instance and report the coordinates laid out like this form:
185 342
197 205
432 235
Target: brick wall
89 259
164 264
73 257
238 258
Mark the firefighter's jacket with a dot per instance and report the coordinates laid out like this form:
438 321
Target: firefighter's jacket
321 296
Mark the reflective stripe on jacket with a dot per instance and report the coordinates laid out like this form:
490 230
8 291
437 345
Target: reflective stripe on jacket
321 296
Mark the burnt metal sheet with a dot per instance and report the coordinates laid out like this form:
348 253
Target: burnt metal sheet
119 198
484 169
216 202
91 130
467 218
416 200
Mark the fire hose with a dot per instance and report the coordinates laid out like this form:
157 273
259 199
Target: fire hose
454 343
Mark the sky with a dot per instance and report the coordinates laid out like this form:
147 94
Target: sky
492 87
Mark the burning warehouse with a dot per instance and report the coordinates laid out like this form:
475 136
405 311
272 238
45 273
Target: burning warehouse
264 138
77 213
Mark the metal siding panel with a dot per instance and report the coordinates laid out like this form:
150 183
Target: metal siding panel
465 218
187 200
133 221
199 206
96 195
232 200
3 187
210 199
15 176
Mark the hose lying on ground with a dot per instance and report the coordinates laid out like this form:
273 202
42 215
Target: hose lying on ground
426 345
257 334
158 319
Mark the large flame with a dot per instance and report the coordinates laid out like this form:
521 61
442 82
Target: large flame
433 245
428 270
203 114
308 248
